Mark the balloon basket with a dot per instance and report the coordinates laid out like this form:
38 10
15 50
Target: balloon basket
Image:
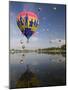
27 41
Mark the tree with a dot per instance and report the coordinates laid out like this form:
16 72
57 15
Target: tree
63 47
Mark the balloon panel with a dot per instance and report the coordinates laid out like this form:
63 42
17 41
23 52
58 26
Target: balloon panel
27 32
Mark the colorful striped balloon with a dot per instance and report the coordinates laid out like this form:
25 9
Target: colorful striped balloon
27 22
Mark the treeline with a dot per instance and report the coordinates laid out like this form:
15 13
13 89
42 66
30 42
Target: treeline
63 47
50 50
54 50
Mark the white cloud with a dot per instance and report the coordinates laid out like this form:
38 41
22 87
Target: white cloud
57 42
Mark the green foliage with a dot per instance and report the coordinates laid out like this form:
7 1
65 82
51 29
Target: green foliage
63 47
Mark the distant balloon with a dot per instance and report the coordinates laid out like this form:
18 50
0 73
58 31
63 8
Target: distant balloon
21 42
39 9
54 8
59 40
23 47
27 22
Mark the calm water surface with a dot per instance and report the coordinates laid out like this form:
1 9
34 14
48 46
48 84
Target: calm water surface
48 69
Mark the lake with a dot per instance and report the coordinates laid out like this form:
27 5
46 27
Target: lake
37 70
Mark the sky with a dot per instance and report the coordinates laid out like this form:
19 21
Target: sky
51 29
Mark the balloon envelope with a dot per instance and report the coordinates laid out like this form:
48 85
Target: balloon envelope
27 23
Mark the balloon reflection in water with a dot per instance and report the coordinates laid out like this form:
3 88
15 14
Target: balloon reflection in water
28 79
21 61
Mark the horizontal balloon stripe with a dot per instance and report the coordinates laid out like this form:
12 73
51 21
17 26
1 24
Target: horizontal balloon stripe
29 17
23 13
23 26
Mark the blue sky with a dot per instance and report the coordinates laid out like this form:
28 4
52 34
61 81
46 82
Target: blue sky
51 25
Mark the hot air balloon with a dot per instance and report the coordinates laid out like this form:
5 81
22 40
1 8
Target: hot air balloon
27 22
23 47
21 41
39 9
59 40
